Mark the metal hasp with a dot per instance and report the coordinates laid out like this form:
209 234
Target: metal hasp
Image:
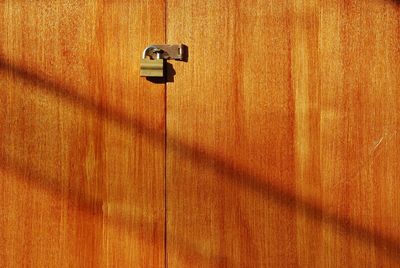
152 62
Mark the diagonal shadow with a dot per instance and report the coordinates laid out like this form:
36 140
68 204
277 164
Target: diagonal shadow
94 207
258 183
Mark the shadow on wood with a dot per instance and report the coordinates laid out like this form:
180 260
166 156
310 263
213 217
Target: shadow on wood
258 183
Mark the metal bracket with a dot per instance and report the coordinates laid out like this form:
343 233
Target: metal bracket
166 52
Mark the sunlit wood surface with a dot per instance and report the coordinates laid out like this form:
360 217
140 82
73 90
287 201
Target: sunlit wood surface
283 141
276 145
81 135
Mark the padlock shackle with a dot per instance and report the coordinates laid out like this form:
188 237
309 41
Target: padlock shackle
151 48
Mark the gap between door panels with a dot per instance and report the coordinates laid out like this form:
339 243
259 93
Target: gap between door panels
169 74
165 139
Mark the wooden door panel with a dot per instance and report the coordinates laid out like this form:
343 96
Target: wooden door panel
283 143
81 135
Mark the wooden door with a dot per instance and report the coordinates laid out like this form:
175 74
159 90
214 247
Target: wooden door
275 145
81 135
283 134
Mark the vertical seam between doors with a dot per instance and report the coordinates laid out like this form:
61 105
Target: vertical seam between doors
165 146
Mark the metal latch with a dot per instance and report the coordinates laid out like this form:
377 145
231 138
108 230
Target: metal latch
152 62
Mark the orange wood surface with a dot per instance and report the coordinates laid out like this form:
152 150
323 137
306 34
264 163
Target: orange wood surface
283 135
282 145
81 135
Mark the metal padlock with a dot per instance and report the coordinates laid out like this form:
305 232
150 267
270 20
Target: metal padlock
153 57
150 66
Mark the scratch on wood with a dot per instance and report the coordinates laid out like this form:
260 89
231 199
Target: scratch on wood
369 159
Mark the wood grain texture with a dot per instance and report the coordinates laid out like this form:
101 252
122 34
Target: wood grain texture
283 144
81 135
